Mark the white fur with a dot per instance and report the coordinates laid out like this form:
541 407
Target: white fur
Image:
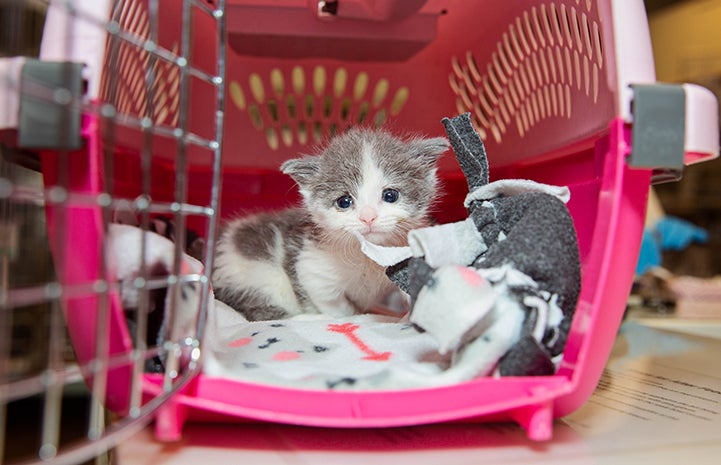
369 193
341 284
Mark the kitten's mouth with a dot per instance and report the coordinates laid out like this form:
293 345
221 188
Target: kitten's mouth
368 230
371 230
375 236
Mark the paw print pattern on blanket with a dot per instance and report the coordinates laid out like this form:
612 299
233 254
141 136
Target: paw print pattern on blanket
349 330
292 347
357 352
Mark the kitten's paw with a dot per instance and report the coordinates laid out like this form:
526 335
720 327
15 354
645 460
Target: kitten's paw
385 311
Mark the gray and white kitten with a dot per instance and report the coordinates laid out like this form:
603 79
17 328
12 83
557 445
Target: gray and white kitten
307 260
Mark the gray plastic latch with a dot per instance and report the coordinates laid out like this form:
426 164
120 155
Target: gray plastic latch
658 134
50 105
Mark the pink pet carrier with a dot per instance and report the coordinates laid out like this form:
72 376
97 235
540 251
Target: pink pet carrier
185 109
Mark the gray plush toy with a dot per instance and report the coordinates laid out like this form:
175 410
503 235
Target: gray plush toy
499 288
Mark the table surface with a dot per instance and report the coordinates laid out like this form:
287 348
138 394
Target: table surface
658 401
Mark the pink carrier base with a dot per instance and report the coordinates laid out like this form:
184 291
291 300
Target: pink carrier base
573 129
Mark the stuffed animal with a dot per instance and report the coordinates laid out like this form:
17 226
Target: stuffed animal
500 288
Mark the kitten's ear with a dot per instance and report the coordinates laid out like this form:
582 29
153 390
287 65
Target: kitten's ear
429 150
302 170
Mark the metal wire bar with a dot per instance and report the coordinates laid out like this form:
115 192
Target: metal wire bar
58 195
203 6
54 390
21 194
33 295
51 414
5 346
96 423
219 15
184 208
181 192
136 395
146 124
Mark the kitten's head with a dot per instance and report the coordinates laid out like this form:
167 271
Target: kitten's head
369 182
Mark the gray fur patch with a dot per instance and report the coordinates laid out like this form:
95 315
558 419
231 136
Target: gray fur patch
252 305
262 235
256 240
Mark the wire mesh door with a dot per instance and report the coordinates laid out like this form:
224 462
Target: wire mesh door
101 137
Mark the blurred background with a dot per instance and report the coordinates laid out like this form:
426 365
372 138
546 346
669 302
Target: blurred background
686 39
684 218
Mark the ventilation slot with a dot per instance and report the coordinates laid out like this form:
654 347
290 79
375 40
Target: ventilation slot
546 54
131 83
302 106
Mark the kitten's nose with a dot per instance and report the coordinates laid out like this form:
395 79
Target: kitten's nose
368 215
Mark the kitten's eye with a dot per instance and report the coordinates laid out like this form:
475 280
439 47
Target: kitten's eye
344 203
390 195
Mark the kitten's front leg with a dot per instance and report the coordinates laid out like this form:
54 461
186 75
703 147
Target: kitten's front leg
326 296
323 284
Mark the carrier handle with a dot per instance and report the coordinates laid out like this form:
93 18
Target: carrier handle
673 125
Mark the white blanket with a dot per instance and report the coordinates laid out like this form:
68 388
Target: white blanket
358 352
